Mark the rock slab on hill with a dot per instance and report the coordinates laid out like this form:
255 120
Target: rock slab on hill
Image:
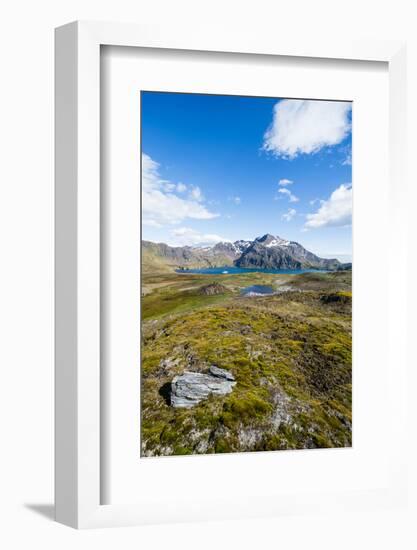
221 373
188 389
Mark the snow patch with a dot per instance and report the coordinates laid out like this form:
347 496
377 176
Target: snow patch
241 246
277 242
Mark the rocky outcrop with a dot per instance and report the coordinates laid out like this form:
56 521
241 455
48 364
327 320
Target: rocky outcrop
188 389
336 297
213 289
221 373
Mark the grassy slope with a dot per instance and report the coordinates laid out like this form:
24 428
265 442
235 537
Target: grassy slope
153 262
290 354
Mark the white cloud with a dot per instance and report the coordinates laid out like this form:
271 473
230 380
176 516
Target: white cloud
306 126
348 160
334 212
284 182
160 206
168 186
181 187
152 223
196 193
347 155
185 236
237 200
289 215
287 192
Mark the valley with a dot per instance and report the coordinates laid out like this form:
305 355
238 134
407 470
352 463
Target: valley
288 353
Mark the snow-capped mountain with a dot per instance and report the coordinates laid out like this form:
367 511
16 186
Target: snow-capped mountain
273 252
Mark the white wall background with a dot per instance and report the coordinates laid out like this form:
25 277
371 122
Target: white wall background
26 272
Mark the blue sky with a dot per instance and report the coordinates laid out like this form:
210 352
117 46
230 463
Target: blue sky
229 167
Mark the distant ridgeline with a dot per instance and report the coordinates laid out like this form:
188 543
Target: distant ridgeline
267 252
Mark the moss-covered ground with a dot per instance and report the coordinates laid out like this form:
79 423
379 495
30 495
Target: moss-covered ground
290 353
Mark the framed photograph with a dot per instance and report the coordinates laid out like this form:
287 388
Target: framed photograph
246 334
228 343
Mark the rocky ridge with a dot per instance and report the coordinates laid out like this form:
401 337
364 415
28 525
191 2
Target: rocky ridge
265 252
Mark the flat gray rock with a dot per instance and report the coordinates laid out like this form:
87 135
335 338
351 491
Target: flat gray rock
221 373
190 388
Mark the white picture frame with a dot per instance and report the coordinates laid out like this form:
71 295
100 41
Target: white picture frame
77 242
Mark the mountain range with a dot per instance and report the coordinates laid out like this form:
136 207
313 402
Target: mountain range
266 252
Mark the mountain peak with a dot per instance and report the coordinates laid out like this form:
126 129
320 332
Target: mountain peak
269 240
266 239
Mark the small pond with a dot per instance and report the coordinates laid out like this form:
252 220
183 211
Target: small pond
257 290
